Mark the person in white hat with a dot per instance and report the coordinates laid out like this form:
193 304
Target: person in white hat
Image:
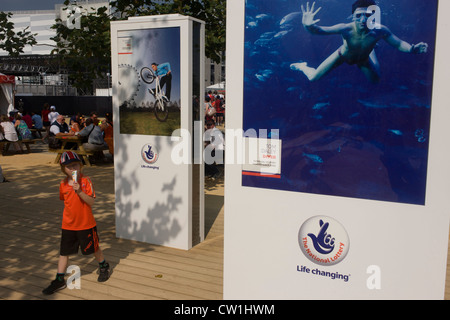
52 115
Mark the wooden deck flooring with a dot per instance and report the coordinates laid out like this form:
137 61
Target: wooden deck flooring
30 218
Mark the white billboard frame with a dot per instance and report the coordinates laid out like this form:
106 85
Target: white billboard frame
157 201
397 251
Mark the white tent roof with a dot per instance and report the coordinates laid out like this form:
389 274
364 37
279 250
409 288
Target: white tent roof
217 86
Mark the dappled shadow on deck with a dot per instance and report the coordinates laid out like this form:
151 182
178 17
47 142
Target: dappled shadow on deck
30 222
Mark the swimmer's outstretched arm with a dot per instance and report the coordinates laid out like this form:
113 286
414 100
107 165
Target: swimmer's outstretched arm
404 46
311 25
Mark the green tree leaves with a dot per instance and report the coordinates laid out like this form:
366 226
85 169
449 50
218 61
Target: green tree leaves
13 42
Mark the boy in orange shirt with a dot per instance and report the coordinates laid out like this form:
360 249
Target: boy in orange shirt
78 224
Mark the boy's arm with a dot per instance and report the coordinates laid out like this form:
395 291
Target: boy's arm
404 46
61 195
336 29
311 25
89 200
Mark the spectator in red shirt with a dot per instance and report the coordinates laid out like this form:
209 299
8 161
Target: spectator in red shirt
27 118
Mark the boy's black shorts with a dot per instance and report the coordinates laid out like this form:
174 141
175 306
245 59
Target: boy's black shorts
86 240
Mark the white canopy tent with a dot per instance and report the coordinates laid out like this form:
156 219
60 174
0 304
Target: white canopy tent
217 87
6 93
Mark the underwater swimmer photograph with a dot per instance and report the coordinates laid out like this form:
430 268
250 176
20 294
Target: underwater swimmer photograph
348 84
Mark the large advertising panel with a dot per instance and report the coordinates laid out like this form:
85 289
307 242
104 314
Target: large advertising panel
338 111
156 73
149 69
353 112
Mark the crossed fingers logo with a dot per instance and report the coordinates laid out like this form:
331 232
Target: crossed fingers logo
149 154
323 240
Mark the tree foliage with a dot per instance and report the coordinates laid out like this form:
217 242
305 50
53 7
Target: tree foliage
213 12
13 42
86 51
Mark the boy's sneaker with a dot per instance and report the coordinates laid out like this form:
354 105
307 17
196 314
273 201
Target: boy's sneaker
54 286
103 273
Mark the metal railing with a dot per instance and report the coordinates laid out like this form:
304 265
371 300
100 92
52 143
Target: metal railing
45 90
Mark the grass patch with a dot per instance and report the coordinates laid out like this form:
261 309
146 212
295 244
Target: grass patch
145 122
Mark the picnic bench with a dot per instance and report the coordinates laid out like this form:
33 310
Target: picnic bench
38 131
26 142
77 147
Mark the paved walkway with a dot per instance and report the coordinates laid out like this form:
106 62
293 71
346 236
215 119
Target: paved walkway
30 218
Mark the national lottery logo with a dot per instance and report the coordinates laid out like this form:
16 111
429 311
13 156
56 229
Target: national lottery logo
149 154
323 240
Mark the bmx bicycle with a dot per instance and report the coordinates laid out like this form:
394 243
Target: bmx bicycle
160 108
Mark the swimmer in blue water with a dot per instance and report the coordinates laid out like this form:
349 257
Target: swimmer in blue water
359 40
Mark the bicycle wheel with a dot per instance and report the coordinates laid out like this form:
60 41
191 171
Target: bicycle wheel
161 110
147 75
